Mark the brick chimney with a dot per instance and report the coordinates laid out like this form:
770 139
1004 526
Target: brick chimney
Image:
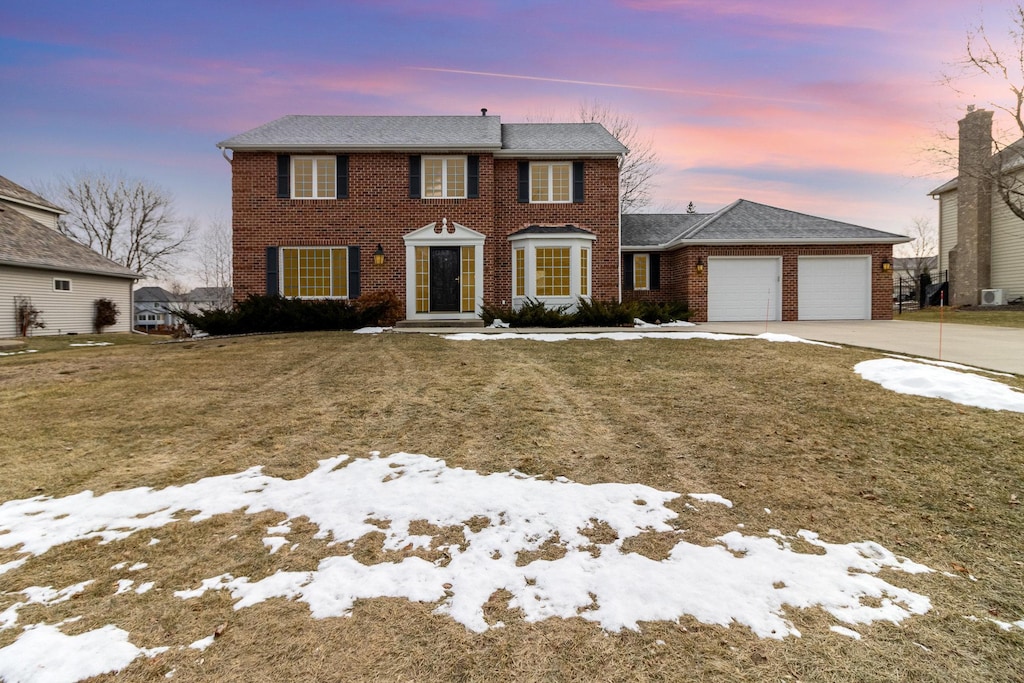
970 262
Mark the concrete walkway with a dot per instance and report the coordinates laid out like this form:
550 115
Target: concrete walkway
992 348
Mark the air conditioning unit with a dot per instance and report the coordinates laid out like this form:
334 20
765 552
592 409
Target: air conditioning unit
993 297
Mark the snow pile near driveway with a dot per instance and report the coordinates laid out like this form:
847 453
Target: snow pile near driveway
920 379
737 578
626 336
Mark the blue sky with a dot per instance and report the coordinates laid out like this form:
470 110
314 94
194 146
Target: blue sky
824 107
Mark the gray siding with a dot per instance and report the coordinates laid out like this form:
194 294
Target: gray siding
1007 250
63 312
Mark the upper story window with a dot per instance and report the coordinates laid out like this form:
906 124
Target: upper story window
550 182
314 177
61 285
444 177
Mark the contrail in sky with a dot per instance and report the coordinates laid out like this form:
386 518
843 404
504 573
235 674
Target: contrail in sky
626 86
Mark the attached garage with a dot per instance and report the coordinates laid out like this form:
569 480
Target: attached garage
744 288
834 287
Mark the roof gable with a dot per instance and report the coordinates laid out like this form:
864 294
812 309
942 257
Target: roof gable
14 192
31 244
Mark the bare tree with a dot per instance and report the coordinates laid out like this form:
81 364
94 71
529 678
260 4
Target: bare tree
213 258
984 58
641 163
129 221
918 254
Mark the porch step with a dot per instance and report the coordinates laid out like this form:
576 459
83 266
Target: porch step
435 324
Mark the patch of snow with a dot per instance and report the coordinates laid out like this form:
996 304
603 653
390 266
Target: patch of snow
918 379
123 586
202 643
145 587
138 566
43 654
39 595
283 528
843 631
498 323
154 541
788 338
622 336
370 330
711 498
732 580
274 543
768 511
947 364
16 353
91 343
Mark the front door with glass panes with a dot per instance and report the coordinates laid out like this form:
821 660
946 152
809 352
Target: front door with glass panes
444 278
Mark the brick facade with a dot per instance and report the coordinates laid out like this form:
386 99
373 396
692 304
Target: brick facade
378 210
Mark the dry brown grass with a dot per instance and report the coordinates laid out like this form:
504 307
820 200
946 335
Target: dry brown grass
782 426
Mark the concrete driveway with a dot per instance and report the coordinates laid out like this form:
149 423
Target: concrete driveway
992 348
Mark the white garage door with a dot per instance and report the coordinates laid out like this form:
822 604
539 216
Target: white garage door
834 287
744 288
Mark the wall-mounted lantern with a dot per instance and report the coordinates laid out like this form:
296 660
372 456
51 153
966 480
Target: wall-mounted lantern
886 265
700 264
378 256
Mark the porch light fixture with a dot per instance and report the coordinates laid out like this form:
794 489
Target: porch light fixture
700 264
886 265
378 256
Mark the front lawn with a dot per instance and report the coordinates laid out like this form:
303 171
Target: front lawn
786 432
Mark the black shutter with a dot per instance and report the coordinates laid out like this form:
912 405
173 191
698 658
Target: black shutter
627 272
655 270
577 182
524 182
353 273
284 176
272 271
414 176
473 177
342 176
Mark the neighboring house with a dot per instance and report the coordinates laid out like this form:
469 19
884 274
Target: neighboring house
750 261
452 212
60 277
155 307
981 241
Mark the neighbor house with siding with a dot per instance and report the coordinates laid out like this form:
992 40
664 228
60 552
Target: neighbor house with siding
981 241
60 277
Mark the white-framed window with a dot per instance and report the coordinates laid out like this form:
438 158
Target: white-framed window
444 178
314 177
61 284
314 272
641 271
550 182
553 268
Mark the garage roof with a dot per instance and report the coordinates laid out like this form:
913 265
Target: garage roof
745 222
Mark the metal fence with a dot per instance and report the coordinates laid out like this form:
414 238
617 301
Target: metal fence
911 294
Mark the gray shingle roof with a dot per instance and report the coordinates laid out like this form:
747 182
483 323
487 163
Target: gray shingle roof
329 133
655 229
28 243
372 132
745 222
559 138
147 295
16 193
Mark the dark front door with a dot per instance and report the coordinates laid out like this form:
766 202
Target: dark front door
444 279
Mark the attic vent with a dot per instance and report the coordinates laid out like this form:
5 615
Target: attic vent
993 297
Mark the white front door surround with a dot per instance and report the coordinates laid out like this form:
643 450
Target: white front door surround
417 275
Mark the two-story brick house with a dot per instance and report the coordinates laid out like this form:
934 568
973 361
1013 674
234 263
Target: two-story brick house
448 212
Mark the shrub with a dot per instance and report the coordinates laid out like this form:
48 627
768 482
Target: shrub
382 307
272 313
27 316
589 313
655 312
593 313
106 314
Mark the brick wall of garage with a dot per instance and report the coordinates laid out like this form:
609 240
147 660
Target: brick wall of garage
681 281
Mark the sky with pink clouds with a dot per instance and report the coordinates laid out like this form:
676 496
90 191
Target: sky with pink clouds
820 106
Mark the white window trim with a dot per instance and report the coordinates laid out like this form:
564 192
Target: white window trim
550 165
62 279
647 273
316 184
575 242
444 177
280 274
